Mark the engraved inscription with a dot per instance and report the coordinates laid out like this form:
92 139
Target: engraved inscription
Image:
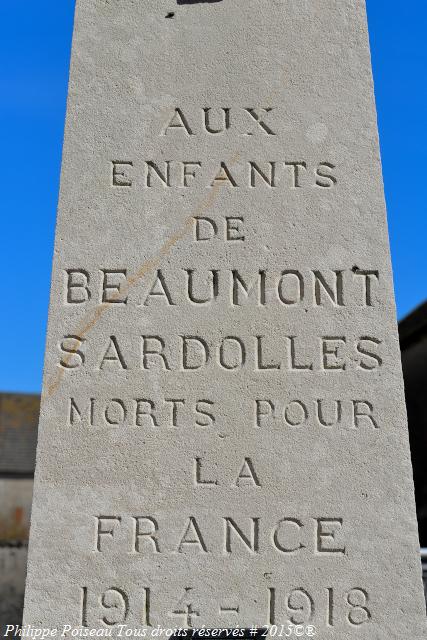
286 289
230 353
287 536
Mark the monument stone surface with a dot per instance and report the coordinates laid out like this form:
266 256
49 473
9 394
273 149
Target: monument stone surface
223 436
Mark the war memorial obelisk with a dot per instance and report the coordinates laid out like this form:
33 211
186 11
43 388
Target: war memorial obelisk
223 435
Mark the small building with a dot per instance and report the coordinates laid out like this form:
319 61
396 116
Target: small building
19 416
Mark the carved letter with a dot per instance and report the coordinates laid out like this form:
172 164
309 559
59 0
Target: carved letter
210 230
198 474
361 348
200 411
226 119
211 295
363 409
367 279
260 122
296 172
192 529
252 541
188 363
77 286
163 177
260 412
224 176
270 180
109 285
326 531
158 353
70 362
109 531
120 178
334 292
159 290
247 472
292 358
150 535
188 171
321 172
299 294
280 546
330 347
178 121
113 354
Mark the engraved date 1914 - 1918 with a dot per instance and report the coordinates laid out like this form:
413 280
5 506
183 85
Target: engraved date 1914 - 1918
330 607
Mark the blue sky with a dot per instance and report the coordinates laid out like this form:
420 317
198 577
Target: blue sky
35 39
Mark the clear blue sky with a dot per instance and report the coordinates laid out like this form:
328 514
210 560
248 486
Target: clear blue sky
35 38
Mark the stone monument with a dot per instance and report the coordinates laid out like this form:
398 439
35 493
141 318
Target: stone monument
222 435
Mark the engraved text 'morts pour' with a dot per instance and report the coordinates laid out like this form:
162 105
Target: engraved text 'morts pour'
222 438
